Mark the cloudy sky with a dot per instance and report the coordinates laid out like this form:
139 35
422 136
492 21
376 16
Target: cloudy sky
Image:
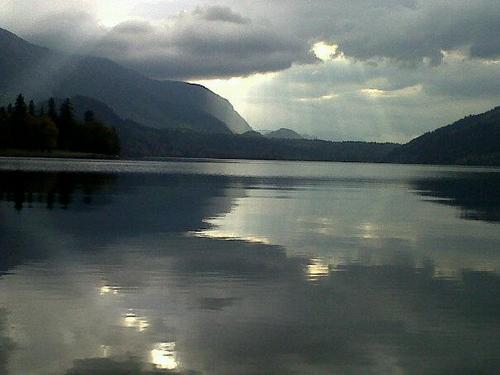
383 70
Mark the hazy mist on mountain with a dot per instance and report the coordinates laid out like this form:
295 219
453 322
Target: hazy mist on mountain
39 72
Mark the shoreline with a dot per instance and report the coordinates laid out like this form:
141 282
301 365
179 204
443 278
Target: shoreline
95 157
56 154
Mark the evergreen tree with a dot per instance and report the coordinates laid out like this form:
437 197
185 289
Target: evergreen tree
46 134
52 112
19 122
66 112
116 147
20 108
22 128
89 117
3 127
31 108
66 125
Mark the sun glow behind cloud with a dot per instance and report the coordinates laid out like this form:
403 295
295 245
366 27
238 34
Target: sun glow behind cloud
241 91
326 52
111 13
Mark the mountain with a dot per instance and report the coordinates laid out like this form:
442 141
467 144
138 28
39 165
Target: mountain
474 140
39 72
140 141
284 133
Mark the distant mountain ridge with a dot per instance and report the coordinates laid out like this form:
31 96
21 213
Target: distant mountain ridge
473 140
141 141
39 72
284 133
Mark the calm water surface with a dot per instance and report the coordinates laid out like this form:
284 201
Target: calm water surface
246 267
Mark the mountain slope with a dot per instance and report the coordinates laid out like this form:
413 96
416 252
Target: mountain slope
284 133
39 73
472 140
140 141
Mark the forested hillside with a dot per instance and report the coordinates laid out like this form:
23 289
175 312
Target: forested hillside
474 140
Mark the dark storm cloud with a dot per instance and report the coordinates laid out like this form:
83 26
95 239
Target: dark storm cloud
208 42
241 38
413 34
407 31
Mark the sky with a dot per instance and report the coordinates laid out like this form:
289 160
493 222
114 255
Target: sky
375 70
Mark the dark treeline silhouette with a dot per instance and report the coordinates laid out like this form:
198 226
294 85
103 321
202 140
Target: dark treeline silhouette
26 127
142 141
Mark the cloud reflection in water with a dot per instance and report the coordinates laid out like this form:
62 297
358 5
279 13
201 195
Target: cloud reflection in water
410 286
164 356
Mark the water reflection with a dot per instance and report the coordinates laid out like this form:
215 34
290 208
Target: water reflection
362 319
200 274
106 351
103 207
164 356
55 189
131 320
106 366
476 195
107 289
317 269
6 343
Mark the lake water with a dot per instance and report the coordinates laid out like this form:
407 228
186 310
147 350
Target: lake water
248 267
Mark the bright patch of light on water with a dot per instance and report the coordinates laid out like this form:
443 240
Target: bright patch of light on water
164 356
317 269
131 320
106 289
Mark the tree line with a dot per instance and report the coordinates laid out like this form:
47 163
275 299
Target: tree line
46 128
141 141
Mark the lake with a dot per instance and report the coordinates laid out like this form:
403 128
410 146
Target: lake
248 267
